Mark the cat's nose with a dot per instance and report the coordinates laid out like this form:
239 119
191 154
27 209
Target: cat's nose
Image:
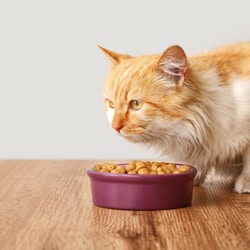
117 128
117 123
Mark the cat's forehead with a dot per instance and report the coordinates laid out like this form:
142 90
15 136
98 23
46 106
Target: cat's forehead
129 76
138 64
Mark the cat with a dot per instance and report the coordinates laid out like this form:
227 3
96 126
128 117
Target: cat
189 109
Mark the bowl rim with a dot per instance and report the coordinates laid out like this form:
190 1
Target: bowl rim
92 173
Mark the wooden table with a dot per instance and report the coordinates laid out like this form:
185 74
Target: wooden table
47 204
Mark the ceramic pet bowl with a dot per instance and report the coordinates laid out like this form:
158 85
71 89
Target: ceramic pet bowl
142 191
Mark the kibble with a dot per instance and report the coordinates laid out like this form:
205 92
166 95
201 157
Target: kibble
142 167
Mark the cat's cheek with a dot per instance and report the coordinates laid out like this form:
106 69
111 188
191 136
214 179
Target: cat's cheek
110 114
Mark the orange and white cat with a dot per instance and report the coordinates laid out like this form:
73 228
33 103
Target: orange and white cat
193 110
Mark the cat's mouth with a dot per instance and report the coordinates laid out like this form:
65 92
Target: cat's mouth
142 135
135 135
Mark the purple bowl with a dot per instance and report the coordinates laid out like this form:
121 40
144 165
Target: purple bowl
142 192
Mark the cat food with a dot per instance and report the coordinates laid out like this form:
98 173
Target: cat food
142 167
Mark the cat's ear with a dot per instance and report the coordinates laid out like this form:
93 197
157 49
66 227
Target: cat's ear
115 58
173 64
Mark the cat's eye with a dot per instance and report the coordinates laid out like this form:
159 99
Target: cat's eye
110 104
136 104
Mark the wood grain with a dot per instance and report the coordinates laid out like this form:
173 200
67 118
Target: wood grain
47 205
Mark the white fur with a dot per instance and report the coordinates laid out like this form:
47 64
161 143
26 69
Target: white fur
218 134
110 114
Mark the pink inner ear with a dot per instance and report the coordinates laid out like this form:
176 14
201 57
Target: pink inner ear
173 63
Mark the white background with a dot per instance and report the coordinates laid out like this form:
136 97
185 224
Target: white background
52 73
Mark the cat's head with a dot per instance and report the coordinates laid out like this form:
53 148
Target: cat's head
145 96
